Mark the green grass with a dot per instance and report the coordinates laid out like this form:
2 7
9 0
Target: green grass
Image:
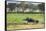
14 17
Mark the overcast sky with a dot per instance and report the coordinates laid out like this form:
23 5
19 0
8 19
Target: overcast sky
14 1
28 0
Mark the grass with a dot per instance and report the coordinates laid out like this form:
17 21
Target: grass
18 17
14 17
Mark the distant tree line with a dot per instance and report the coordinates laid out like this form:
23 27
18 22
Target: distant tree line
12 6
42 6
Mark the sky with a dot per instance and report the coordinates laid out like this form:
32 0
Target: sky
14 1
28 0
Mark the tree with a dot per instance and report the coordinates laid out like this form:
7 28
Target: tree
42 6
23 5
11 6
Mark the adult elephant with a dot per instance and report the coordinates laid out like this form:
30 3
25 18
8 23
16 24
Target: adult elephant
30 20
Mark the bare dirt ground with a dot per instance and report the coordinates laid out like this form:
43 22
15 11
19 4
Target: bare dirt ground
27 26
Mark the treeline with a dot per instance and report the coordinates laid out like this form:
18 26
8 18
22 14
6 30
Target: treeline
23 6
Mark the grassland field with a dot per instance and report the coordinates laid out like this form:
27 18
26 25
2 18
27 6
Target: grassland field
18 17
